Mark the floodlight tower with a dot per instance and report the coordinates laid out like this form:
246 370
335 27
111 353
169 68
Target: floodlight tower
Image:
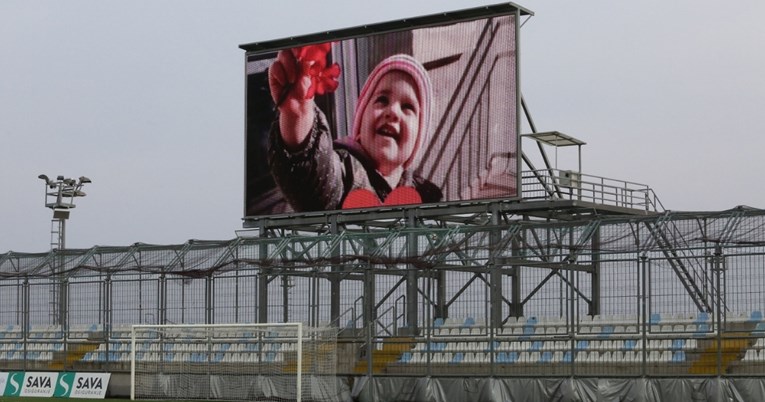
59 197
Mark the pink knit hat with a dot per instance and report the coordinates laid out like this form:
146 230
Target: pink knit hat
408 65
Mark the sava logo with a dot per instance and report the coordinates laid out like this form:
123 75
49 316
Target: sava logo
64 385
13 388
38 382
89 383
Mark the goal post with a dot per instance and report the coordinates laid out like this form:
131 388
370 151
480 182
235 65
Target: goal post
233 362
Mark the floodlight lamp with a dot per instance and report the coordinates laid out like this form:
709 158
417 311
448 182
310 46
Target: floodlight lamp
60 177
69 182
84 180
44 177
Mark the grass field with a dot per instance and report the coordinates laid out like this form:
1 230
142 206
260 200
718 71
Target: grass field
15 399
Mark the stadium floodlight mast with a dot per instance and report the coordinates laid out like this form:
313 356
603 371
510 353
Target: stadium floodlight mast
59 197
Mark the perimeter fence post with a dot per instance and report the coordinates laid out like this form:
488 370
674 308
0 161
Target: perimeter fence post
573 312
334 281
717 267
25 317
412 318
644 312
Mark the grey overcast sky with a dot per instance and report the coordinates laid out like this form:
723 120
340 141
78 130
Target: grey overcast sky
147 99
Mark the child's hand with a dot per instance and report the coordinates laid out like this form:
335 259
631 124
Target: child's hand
288 90
288 84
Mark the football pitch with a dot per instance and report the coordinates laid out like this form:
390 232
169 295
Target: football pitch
28 399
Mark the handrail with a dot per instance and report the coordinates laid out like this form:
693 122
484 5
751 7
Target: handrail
535 184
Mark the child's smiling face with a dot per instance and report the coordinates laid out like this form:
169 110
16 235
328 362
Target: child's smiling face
390 123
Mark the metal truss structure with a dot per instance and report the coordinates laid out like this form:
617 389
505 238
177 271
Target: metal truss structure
406 271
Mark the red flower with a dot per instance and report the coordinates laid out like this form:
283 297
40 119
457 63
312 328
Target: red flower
313 63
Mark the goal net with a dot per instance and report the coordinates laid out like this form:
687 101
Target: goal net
235 362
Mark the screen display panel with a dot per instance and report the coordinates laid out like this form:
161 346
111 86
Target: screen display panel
417 116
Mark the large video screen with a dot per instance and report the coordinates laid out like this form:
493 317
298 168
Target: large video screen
417 116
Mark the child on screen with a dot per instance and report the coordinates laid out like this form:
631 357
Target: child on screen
374 165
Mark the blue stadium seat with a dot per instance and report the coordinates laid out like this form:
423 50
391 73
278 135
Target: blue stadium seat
756 316
457 358
406 357
582 344
529 326
655 319
703 317
702 329
606 331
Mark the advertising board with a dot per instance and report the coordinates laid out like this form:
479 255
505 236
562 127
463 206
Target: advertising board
54 384
416 115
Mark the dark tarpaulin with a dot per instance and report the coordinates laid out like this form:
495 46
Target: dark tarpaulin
430 389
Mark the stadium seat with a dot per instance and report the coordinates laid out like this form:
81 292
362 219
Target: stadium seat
492 346
441 357
703 329
750 355
756 316
453 322
655 319
702 317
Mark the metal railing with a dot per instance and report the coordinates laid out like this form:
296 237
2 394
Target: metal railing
556 184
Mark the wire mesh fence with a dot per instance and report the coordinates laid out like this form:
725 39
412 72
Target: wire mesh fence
671 294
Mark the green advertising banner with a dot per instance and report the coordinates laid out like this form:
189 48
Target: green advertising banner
54 384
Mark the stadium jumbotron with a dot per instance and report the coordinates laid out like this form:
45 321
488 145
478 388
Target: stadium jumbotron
399 243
